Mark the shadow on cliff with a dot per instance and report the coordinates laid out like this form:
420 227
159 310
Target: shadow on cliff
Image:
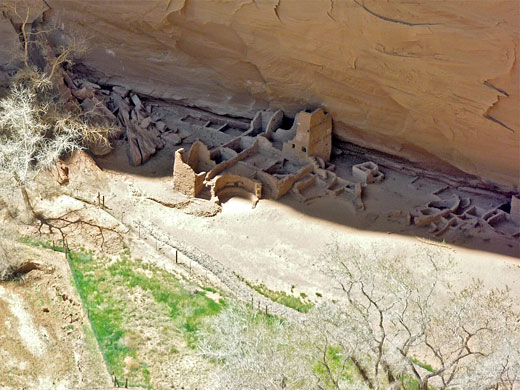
372 221
160 166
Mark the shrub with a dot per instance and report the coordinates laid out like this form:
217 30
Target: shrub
9 262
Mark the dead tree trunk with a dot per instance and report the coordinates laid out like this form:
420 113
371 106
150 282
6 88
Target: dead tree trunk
27 202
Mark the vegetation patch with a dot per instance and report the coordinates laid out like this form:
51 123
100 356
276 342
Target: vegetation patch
334 367
425 366
136 310
300 303
186 309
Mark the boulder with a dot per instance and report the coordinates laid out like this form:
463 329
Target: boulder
172 138
142 143
99 148
123 92
161 126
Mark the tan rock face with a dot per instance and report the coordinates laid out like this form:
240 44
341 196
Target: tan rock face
428 80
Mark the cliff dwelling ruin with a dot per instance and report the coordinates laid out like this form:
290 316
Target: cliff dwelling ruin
274 156
267 161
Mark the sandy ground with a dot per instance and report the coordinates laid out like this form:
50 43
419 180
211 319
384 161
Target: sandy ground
45 340
279 246
278 243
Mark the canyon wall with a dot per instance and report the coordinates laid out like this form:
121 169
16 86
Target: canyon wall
432 81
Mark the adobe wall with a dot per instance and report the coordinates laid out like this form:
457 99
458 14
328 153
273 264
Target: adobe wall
515 209
199 158
320 139
313 136
276 188
185 179
218 169
234 185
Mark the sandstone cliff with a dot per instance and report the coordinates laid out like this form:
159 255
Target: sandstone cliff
428 80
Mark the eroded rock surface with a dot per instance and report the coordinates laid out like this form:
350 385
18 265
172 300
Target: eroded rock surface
422 79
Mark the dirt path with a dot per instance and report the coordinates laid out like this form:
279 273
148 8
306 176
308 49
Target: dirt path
30 336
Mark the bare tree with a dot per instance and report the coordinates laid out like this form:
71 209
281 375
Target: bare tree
397 324
413 324
255 352
29 140
37 126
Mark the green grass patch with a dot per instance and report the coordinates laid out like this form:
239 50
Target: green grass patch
105 310
98 283
55 246
281 297
186 309
425 366
350 374
345 371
